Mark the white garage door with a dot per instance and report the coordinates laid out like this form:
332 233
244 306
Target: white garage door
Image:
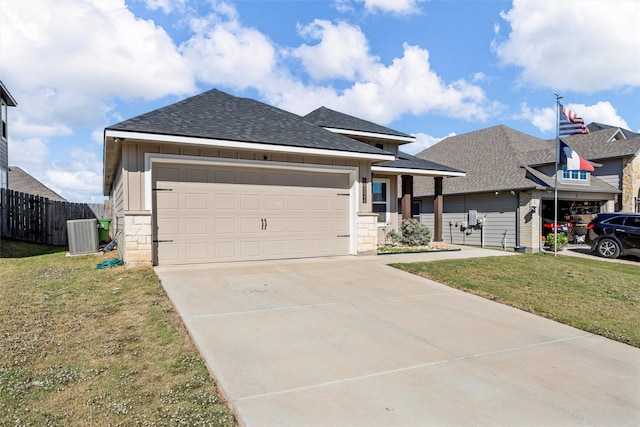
217 214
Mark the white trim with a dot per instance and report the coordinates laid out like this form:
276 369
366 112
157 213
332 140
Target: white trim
245 145
387 201
422 172
151 158
372 134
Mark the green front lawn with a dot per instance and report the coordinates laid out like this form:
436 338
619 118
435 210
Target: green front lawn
80 346
596 296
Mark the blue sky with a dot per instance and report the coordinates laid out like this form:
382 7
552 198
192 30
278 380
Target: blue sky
428 68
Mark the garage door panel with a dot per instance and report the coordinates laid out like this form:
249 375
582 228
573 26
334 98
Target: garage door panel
195 201
275 248
250 214
275 203
249 250
167 200
274 225
224 202
168 252
299 225
252 225
298 203
196 252
224 226
249 202
196 226
169 226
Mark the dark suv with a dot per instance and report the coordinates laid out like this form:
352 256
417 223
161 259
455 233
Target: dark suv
614 234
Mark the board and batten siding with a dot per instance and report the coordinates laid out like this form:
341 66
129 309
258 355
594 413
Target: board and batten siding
497 211
610 172
133 165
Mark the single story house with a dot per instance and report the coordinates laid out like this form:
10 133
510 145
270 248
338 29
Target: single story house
23 182
507 195
218 178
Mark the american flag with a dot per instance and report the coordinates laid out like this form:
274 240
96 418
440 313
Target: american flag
570 123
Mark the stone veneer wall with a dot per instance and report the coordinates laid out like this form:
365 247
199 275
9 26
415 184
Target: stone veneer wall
136 244
530 222
630 184
367 233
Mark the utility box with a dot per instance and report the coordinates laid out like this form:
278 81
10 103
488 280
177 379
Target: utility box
473 218
83 236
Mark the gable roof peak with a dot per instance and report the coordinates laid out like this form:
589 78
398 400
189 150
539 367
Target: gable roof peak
332 119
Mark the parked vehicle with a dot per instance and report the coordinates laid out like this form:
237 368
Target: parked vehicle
615 234
547 227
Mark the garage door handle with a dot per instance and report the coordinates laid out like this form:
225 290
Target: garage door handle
264 223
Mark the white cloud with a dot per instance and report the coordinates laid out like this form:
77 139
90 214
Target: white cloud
386 92
343 51
576 45
423 141
28 152
78 179
167 6
68 55
399 7
545 118
224 52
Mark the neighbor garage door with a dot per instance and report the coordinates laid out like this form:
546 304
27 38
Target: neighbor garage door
216 214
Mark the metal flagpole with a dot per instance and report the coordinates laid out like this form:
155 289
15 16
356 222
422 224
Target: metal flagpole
555 192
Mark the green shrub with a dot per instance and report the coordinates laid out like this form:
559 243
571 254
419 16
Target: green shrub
412 233
562 239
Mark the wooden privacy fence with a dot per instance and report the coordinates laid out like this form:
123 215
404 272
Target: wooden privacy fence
40 220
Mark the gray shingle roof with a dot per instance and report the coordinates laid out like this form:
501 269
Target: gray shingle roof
598 145
328 118
500 158
492 159
21 181
407 161
593 127
595 146
218 115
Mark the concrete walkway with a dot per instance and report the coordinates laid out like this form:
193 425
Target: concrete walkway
352 342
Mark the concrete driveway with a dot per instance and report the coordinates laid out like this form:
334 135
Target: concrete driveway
350 341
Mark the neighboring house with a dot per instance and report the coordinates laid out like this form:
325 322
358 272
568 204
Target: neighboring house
510 181
218 178
6 100
21 181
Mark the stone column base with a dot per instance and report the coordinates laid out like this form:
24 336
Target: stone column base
367 233
137 240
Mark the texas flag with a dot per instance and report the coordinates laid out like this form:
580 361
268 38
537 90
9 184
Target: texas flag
572 159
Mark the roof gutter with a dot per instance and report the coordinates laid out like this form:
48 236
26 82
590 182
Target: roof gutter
417 172
403 139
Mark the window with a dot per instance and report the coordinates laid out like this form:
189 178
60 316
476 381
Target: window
3 118
574 175
380 200
632 221
617 220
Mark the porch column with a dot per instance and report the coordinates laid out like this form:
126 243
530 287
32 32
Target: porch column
437 209
407 196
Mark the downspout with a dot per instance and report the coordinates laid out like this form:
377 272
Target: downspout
517 248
